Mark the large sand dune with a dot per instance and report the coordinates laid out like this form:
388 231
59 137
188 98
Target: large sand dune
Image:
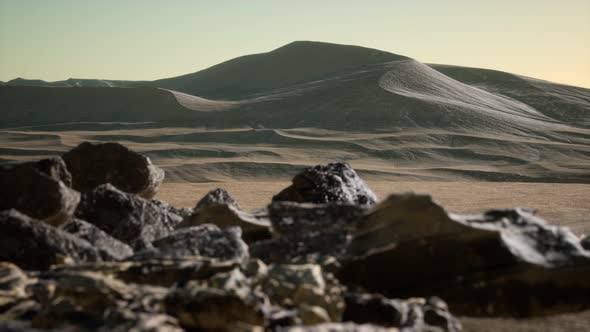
265 115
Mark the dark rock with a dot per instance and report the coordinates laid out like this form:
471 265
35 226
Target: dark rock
37 195
503 262
415 314
53 167
205 240
99 239
585 242
31 244
255 226
217 197
176 215
92 165
336 182
307 233
126 217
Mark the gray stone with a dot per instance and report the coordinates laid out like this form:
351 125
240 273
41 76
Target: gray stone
92 165
336 182
98 238
31 244
37 195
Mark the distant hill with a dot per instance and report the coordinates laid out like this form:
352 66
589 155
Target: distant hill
311 98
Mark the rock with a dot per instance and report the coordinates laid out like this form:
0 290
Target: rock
92 300
176 215
53 167
585 242
336 182
415 314
92 165
219 208
37 195
126 217
160 272
338 327
213 309
307 233
306 288
99 239
217 197
503 262
205 240
123 320
31 244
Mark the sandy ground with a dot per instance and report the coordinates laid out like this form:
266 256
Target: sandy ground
564 204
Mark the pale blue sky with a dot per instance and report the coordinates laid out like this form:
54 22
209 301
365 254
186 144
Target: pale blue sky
145 39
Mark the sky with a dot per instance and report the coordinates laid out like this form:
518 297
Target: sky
147 39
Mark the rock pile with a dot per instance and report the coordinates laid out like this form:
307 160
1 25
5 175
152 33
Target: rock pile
84 246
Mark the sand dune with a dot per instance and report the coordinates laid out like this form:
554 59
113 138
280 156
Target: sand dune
265 115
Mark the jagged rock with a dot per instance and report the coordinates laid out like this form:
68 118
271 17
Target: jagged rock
205 240
336 182
503 262
306 288
88 300
92 165
176 215
217 197
37 195
338 327
123 320
214 309
307 233
219 208
160 272
416 314
99 239
31 244
53 167
126 217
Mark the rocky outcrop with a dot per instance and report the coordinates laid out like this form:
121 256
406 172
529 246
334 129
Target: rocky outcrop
99 239
36 194
502 262
322 257
127 217
32 244
92 165
336 182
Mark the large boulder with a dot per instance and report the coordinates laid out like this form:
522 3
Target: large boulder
502 262
32 244
92 165
98 238
307 233
336 182
38 195
219 208
205 240
126 217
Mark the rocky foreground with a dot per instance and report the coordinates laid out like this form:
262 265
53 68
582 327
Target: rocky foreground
84 246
